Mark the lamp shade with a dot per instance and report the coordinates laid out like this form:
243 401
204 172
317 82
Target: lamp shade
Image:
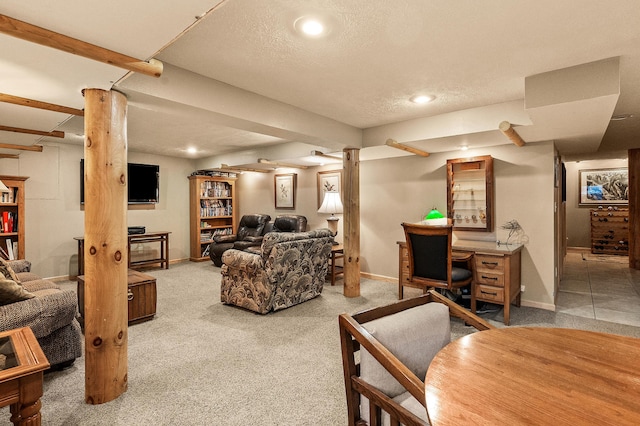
331 203
434 217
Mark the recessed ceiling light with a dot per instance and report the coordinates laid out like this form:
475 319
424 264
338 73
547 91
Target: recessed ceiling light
422 99
192 150
464 147
309 26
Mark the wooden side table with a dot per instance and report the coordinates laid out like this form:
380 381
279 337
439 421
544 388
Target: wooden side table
21 368
337 252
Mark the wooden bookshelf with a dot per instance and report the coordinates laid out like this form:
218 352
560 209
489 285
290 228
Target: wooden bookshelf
213 210
12 212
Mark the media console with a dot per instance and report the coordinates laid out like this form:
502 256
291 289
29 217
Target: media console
148 237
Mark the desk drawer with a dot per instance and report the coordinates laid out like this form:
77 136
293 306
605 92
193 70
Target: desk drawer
490 278
484 261
489 293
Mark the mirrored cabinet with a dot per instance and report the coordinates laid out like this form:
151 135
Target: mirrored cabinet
470 198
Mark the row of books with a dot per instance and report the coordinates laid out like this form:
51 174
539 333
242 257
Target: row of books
215 189
213 173
210 208
9 222
9 197
11 250
208 236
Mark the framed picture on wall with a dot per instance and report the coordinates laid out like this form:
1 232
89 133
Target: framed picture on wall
285 191
604 186
329 181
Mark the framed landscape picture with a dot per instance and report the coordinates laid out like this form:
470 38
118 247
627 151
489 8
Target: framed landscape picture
604 186
285 191
330 180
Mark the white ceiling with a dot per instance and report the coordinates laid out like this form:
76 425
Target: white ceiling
242 84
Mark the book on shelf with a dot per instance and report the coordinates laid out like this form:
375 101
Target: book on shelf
15 249
5 222
10 249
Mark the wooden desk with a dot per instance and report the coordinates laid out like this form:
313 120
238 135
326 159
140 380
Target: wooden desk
496 272
21 375
534 375
149 237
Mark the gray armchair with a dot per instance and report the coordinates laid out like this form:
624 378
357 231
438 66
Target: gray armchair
251 229
386 352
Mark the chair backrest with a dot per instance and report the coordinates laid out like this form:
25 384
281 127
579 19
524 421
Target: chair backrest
386 352
252 225
289 223
429 251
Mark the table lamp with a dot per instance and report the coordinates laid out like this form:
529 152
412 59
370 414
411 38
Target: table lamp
331 205
434 217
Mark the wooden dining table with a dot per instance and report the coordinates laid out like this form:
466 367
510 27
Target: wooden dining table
535 375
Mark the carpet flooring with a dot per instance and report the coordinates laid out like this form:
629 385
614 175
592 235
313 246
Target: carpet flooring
199 362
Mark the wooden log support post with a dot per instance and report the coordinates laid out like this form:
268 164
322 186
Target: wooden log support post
105 248
351 202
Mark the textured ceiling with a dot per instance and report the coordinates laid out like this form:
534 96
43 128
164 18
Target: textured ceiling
242 79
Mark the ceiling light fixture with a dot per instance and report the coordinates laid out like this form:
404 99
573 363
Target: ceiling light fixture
310 26
464 147
620 117
422 99
192 150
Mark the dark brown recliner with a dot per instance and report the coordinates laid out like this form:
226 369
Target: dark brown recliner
287 223
251 230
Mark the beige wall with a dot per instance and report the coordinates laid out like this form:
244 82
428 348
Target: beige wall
578 220
406 188
392 191
54 215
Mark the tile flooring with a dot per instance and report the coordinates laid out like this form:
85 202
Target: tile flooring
600 287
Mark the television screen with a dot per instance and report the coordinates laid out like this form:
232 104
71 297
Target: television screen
143 185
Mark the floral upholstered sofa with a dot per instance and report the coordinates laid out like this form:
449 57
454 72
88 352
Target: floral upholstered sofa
289 268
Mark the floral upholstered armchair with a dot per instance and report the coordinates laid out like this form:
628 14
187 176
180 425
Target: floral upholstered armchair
289 269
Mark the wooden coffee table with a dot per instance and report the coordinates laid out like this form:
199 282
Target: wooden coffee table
21 367
141 297
535 375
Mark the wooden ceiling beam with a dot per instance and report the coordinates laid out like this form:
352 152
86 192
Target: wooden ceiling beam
279 164
17 100
35 148
506 129
242 169
39 35
394 144
53 133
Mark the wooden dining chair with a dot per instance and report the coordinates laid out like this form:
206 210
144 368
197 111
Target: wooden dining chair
386 352
431 264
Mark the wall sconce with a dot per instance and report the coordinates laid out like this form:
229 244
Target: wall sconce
331 205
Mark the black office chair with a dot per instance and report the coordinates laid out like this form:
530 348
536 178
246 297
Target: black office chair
431 264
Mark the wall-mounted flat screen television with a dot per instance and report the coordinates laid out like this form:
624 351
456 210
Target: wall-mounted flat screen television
143 183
